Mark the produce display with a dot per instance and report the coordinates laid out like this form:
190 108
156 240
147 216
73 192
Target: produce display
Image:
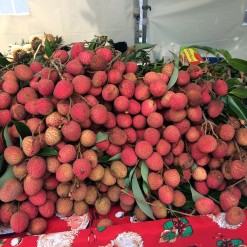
84 125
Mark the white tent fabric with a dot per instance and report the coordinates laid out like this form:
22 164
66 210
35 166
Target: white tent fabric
214 23
74 20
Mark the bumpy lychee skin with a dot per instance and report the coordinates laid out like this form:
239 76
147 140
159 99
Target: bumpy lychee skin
155 120
142 91
168 69
39 198
159 209
179 199
37 226
64 206
67 153
30 145
19 222
61 56
204 205
36 166
128 156
98 114
131 67
207 143
201 187
63 90
117 136
171 177
76 49
75 67
238 169
151 135
215 108
241 136
80 112
47 209
235 216
64 173
194 71
110 92
166 194
199 174
81 84
178 101
23 72
150 77
98 63
44 106
6 211
13 155
227 200
5 100
10 190
105 52
155 180
220 87
71 131
10 86
32 185
45 87
143 149
53 135
154 161
158 88
103 205
82 168
127 199
214 179
183 78
171 134
5 117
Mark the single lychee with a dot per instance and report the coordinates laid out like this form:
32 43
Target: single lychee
215 108
98 63
155 161
228 200
155 120
82 168
159 210
166 194
163 147
23 72
37 226
183 78
80 208
179 199
64 173
241 136
98 114
194 71
143 149
155 180
235 216
13 155
19 222
36 167
80 112
103 205
91 195
207 143
10 190
238 169
220 87
171 134
204 205
47 209
168 69
63 89
171 177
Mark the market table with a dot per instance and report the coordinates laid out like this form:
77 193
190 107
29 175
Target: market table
196 231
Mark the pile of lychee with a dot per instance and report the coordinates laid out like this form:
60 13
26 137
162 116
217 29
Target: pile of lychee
89 105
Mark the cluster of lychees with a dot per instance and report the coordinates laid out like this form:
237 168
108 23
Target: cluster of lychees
83 93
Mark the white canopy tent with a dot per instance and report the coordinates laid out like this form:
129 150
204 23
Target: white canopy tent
215 23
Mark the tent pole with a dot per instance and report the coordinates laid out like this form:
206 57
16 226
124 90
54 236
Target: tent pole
145 8
136 14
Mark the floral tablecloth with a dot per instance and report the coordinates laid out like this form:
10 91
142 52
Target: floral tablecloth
201 231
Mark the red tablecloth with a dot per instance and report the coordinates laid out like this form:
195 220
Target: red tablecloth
201 231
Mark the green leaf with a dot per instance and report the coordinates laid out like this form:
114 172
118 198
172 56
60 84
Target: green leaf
240 92
131 173
174 76
7 175
140 199
48 48
101 136
207 49
193 167
6 136
146 188
141 46
236 106
115 157
3 61
22 129
225 53
47 151
144 171
168 225
232 83
238 64
195 195
104 158
93 44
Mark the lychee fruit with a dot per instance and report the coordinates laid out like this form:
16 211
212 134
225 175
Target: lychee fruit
159 210
63 89
171 177
171 134
36 167
143 149
215 108
23 72
47 209
168 69
204 205
220 87
13 155
64 173
241 136
207 143
235 216
10 190
82 168
98 63
103 205
37 226
238 169
155 161
19 221
166 194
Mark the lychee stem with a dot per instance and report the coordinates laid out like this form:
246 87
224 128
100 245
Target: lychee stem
239 181
114 59
149 203
57 69
238 150
210 123
35 54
